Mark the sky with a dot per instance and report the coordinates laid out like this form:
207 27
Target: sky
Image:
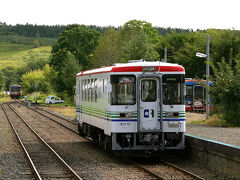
186 14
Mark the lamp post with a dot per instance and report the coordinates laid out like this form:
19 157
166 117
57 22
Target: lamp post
207 56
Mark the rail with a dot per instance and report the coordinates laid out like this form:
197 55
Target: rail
67 167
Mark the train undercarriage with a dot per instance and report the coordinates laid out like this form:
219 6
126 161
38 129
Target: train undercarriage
126 142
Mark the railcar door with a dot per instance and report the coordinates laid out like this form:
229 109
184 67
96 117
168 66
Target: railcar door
149 109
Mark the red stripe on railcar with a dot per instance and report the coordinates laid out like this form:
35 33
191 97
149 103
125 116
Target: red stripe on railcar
135 69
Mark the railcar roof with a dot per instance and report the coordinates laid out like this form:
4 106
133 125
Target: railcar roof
197 81
134 67
15 85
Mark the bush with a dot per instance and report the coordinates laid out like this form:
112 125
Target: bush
226 90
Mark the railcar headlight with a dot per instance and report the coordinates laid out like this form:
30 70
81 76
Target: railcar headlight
129 115
172 114
126 115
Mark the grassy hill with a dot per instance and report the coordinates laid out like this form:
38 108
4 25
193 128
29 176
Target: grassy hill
15 55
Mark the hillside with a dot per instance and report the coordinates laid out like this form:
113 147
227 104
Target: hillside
15 55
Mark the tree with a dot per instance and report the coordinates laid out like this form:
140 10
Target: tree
133 26
135 40
12 76
35 81
138 40
68 74
79 40
226 90
2 81
137 47
108 51
35 62
64 78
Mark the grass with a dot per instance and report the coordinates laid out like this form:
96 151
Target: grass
4 99
7 49
15 55
66 108
67 111
215 120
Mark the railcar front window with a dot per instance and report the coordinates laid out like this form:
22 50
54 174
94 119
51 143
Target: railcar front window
189 92
123 90
198 92
173 89
149 89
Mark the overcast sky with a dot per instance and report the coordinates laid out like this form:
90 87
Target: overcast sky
187 14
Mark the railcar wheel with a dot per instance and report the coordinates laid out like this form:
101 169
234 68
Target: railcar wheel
80 130
107 143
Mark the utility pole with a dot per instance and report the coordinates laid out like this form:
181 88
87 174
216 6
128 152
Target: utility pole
207 78
165 54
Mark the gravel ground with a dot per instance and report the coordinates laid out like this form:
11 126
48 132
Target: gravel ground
221 134
87 159
13 164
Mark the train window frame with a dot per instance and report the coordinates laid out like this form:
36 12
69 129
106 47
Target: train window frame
173 89
149 94
118 88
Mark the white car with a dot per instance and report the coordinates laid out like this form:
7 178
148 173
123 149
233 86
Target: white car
53 100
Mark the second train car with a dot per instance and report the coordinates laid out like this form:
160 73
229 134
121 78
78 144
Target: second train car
196 95
133 106
15 91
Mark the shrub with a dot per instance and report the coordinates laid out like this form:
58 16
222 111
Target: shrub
226 90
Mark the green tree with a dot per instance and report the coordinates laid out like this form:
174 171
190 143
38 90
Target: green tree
2 81
35 62
135 40
12 76
226 90
137 47
138 39
35 81
108 51
77 39
64 79
133 26
68 74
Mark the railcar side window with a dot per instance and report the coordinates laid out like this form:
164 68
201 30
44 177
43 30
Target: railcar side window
123 90
95 90
173 89
82 90
86 90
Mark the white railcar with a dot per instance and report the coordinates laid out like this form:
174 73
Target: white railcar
133 106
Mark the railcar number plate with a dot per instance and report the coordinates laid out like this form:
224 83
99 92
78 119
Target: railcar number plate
125 124
173 124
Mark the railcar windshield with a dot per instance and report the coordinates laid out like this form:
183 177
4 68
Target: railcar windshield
15 88
123 90
198 92
189 92
173 89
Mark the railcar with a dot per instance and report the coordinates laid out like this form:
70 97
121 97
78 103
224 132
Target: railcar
132 106
196 95
15 91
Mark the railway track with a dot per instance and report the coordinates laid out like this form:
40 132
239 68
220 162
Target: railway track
72 126
164 170
159 170
43 160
